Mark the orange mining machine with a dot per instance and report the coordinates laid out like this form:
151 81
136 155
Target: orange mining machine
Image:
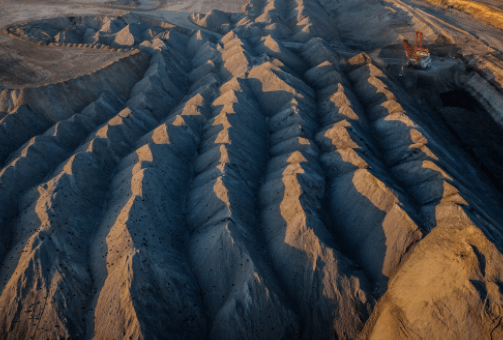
418 57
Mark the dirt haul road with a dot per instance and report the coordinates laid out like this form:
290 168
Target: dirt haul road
254 178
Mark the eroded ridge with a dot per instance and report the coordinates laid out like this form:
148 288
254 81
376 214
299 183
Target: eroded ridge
146 231
47 283
36 127
372 215
295 20
331 295
453 271
308 19
31 111
241 294
31 163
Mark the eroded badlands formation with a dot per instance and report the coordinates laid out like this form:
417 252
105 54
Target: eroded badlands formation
229 186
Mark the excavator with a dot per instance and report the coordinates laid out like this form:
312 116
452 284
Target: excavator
418 57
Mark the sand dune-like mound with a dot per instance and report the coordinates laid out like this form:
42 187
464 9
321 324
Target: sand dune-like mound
243 181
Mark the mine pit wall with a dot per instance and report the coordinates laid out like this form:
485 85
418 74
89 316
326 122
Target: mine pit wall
482 80
319 131
34 110
154 176
406 121
480 102
486 94
427 85
37 158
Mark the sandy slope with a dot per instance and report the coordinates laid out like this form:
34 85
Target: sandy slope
245 181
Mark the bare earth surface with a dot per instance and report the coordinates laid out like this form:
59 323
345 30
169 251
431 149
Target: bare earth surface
250 170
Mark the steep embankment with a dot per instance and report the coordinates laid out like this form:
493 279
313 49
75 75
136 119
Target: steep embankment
31 163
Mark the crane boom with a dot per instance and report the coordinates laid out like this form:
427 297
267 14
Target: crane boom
418 44
408 49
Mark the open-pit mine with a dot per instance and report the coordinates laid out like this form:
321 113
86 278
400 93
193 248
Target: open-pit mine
251 170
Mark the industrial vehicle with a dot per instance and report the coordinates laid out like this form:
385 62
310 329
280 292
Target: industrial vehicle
417 57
